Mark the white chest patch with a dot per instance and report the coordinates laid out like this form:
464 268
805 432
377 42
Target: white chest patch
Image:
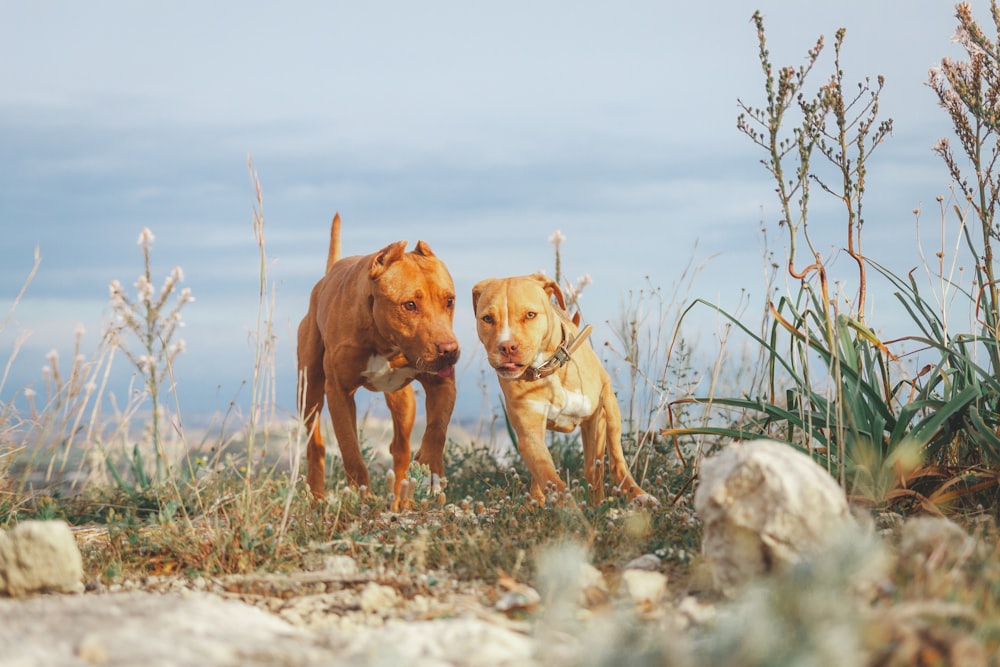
575 408
379 376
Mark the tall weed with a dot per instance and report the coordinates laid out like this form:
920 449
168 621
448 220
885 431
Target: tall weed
153 321
830 385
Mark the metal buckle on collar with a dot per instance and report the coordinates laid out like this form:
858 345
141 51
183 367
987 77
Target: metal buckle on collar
559 358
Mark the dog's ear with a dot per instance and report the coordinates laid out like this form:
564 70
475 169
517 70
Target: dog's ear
424 249
551 288
477 291
385 257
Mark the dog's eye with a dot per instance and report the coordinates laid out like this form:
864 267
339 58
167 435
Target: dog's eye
530 315
488 319
450 302
410 306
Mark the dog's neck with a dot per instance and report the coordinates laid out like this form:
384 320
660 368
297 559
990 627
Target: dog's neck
564 352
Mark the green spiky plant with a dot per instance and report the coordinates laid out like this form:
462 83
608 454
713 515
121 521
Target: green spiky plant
830 385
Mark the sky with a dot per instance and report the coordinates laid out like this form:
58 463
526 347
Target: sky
480 128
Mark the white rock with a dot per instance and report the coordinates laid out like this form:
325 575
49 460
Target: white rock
764 506
524 598
126 629
92 650
937 541
591 577
567 580
376 597
645 562
644 586
37 556
442 643
340 566
696 612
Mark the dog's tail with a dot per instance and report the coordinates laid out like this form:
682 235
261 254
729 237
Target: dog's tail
334 253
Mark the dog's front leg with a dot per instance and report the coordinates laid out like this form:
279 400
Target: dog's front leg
439 404
343 413
403 407
530 428
609 436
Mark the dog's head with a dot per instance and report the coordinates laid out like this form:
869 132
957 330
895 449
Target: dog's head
413 306
516 321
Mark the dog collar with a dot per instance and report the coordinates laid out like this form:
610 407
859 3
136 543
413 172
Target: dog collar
559 358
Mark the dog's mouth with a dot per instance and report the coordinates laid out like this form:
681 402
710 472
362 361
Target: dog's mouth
442 365
510 370
442 369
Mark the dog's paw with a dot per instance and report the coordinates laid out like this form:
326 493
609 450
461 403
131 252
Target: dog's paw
428 488
403 499
437 484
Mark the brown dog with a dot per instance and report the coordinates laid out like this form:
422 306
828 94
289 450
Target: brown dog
550 380
378 321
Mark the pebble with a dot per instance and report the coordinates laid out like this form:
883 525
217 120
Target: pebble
644 586
377 598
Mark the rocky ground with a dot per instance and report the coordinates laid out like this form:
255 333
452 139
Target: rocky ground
335 615
795 579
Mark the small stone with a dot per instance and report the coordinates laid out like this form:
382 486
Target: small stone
376 597
593 588
938 541
340 566
523 599
650 562
695 612
40 556
644 586
457 641
92 649
591 577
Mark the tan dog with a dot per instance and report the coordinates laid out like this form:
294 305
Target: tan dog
550 380
378 321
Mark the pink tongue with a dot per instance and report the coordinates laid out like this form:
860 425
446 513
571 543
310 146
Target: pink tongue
447 372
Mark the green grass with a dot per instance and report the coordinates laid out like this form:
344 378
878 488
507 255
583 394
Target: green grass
488 523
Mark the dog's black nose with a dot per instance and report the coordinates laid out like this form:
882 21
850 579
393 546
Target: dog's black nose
448 350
